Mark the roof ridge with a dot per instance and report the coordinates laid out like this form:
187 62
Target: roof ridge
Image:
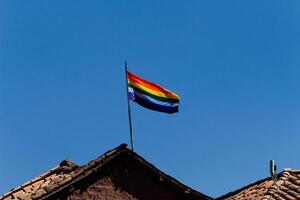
292 170
106 154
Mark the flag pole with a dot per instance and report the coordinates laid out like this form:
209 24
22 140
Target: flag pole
128 106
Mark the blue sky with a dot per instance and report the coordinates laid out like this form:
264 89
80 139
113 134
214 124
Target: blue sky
235 65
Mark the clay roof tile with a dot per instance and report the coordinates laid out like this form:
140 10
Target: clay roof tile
287 187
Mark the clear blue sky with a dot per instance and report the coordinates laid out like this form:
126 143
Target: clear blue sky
235 65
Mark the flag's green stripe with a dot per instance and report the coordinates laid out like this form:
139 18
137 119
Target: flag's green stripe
154 96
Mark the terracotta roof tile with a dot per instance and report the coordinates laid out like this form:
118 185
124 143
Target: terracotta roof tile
41 184
287 187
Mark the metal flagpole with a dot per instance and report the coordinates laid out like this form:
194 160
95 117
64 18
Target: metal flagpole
128 105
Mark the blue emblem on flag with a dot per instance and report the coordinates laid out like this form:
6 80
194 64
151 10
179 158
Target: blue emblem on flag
131 94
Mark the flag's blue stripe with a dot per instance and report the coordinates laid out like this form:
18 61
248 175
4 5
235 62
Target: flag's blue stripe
162 103
148 104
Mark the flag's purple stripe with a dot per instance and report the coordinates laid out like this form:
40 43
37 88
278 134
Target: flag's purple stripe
148 104
162 103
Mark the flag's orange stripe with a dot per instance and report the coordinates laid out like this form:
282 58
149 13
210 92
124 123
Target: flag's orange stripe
133 79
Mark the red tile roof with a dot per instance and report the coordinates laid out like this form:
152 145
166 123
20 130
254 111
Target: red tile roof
67 173
287 187
43 183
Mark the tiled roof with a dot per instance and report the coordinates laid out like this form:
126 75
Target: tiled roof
287 187
43 183
67 173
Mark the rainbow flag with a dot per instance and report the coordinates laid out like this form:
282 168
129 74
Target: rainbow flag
151 95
